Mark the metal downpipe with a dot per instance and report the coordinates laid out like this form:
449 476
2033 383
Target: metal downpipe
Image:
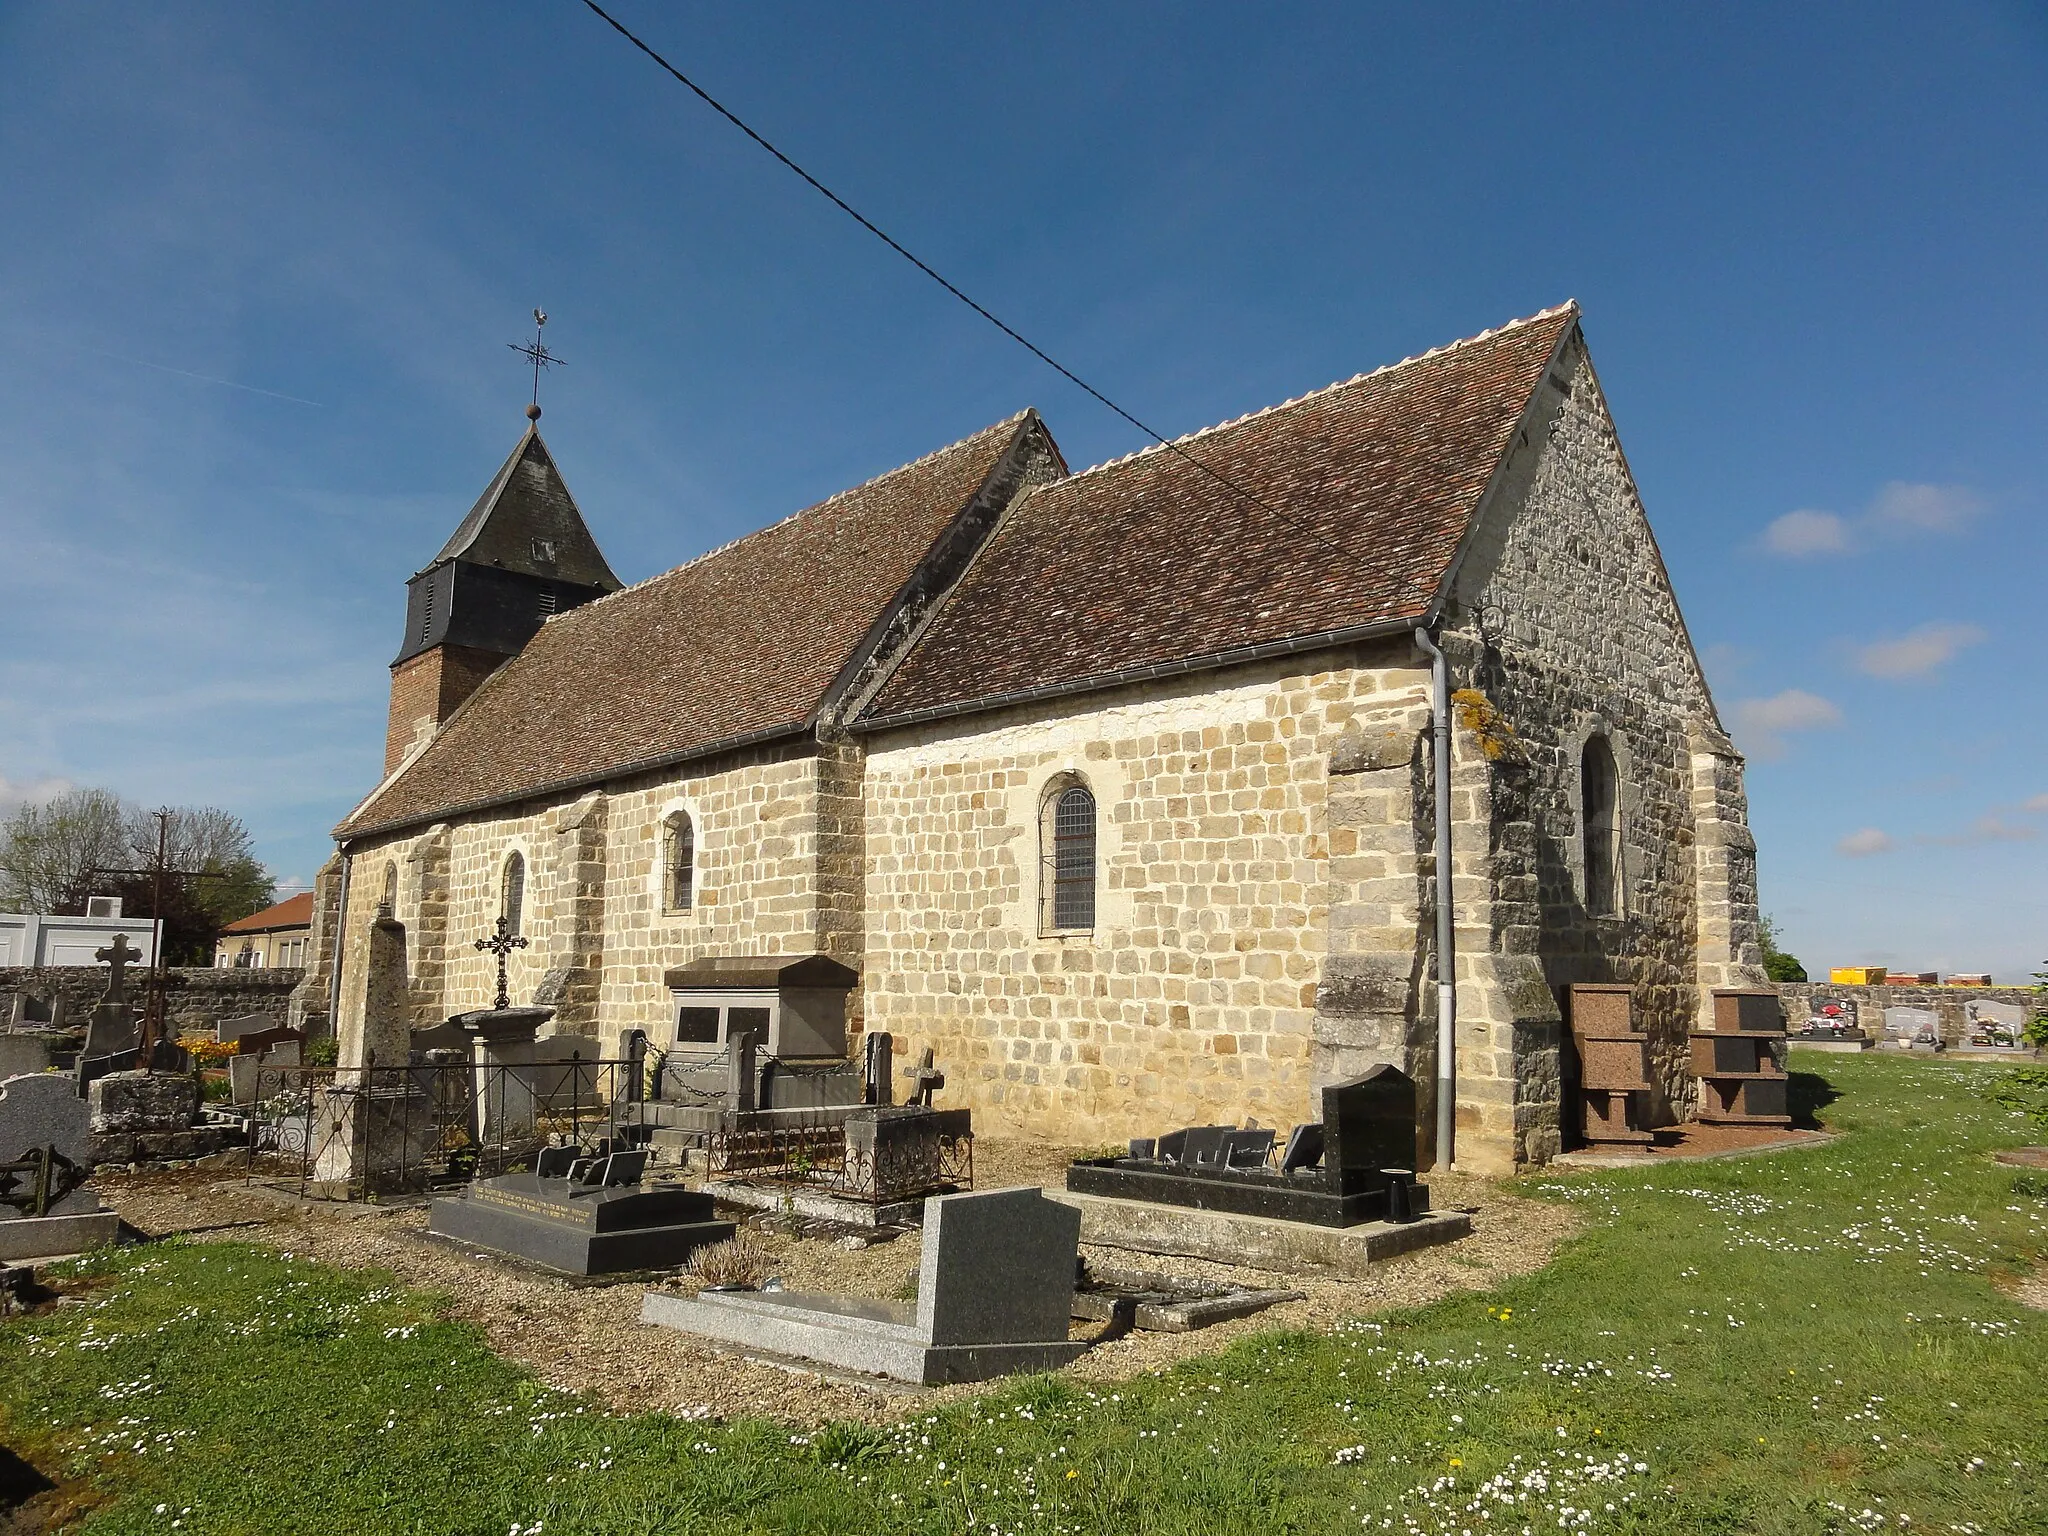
1446 916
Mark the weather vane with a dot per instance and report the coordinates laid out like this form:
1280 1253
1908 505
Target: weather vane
540 357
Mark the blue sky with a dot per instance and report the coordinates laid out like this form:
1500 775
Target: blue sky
260 264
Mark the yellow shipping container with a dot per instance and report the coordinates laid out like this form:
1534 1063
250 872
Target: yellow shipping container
1857 976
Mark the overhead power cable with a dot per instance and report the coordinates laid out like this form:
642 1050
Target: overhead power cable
926 268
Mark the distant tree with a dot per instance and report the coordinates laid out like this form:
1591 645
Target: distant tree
48 852
1778 965
54 855
198 840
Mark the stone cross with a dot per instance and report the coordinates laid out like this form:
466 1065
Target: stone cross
501 943
926 1080
118 956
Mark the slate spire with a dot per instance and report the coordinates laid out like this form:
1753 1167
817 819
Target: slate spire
522 554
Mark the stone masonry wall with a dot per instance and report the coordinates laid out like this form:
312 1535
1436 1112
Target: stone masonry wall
1194 999
1566 626
196 997
773 875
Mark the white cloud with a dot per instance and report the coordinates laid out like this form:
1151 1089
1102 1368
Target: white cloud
1806 532
1918 652
1763 724
1861 845
1902 507
2036 805
1990 828
33 792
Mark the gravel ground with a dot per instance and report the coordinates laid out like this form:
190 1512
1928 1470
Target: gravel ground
587 1337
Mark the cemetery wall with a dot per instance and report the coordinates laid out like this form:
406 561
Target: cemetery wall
1194 997
1565 627
1800 999
198 997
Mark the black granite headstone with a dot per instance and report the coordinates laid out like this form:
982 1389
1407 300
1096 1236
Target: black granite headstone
1247 1149
1304 1147
1369 1123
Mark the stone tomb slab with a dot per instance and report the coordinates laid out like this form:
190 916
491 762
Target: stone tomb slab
1256 1242
580 1229
994 1293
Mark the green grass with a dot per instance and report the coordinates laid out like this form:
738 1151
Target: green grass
1804 1343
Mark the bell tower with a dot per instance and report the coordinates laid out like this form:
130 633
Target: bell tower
522 554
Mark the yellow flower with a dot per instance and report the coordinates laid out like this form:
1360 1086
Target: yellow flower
1456 1462
1072 1473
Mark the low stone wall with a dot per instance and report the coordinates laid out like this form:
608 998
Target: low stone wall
1801 999
198 997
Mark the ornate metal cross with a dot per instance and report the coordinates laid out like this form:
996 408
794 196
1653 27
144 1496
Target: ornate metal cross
118 956
501 943
539 356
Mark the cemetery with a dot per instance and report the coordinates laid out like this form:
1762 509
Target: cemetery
904 1267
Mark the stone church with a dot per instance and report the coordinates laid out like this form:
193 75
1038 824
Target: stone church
1117 788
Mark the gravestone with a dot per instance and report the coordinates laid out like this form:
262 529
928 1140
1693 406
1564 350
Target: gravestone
877 1051
29 1050
582 1215
1912 1028
1369 1122
902 1151
110 1028
1991 1026
44 1115
244 1077
247 1024
12 1012
143 1103
44 1111
994 1295
925 1080
1357 1165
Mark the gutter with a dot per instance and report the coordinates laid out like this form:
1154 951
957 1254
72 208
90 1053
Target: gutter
1446 916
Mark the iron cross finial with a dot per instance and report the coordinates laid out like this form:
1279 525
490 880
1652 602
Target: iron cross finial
501 943
540 357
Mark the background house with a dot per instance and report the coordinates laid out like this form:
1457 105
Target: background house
265 940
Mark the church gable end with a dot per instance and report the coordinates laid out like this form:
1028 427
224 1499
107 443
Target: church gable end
1612 859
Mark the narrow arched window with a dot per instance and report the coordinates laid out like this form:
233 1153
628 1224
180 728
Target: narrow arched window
1068 836
1600 826
682 863
514 904
387 904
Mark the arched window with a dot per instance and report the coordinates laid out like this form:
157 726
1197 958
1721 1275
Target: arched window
387 904
681 889
514 904
1600 826
1067 836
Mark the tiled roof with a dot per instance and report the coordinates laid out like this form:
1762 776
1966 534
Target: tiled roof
1148 562
739 644
292 912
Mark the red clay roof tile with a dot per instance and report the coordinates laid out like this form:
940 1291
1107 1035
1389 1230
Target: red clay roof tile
1148 561
739 643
